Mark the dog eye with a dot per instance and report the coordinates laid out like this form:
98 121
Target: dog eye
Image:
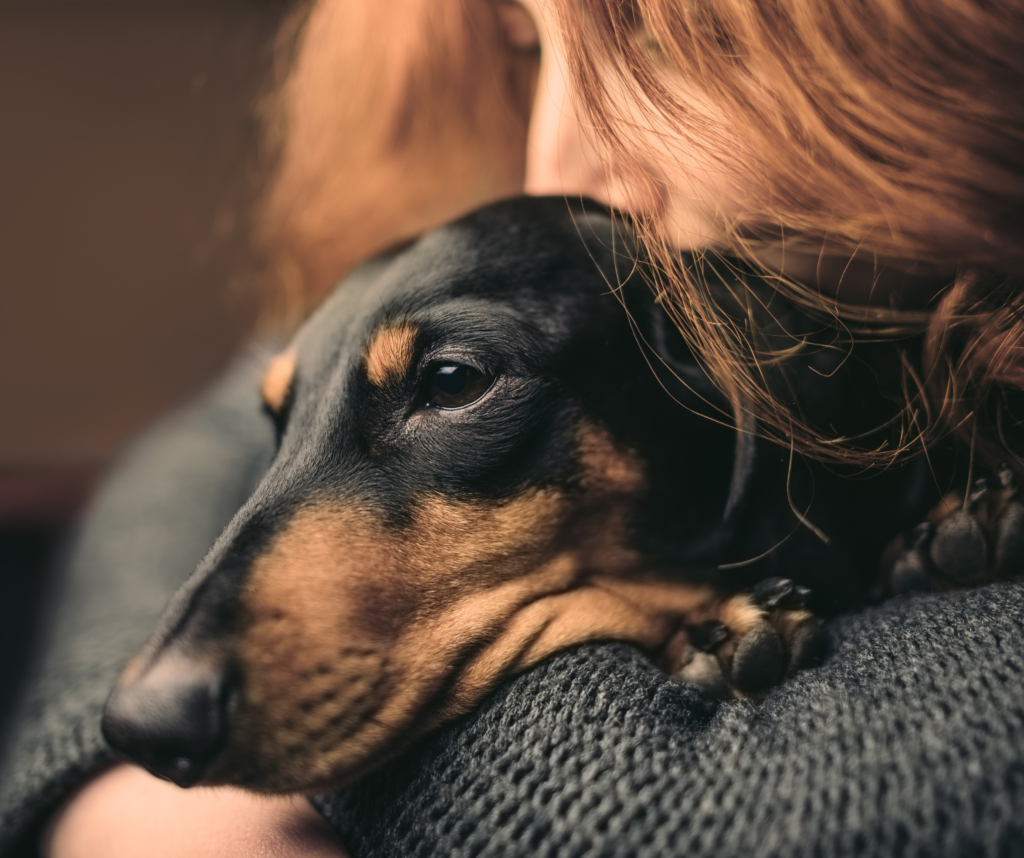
453 385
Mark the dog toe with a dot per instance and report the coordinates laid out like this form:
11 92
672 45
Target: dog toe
753 642
912 571
979 542
779 593
759 662
704 671
1009 542
807 644
958 548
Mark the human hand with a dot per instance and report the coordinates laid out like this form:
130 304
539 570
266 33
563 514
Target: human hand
127 813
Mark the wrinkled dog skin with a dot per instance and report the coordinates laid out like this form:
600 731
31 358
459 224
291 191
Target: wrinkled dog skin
484 459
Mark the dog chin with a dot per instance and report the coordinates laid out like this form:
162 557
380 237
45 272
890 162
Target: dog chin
351 718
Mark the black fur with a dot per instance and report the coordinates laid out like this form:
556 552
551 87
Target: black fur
544 296
536 292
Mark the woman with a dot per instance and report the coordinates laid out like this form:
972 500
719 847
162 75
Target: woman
867 155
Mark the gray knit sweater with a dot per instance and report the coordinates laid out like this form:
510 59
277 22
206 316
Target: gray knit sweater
909 740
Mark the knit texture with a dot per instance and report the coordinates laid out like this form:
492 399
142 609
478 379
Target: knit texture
160 510
908 741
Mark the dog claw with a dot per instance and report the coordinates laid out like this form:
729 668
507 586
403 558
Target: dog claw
779 593
759 640
709 635
1006 477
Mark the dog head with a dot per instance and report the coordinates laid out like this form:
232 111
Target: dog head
467 439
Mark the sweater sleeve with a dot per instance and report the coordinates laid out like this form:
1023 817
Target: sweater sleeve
907 741
160 510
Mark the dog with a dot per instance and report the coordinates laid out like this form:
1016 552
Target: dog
493 446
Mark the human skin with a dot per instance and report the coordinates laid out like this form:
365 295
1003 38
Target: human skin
562 158
127 812
688 193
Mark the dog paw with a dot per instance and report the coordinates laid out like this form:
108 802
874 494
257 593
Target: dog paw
754 641
970 544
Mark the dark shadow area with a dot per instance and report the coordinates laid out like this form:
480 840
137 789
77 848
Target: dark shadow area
26 557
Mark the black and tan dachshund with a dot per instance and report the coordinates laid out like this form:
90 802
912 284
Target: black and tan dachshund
493 446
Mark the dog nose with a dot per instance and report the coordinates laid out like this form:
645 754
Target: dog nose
172 718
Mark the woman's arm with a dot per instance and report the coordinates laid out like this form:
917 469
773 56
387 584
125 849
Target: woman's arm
908 737
126 812
906 741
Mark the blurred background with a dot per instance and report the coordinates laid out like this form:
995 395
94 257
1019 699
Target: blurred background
129 156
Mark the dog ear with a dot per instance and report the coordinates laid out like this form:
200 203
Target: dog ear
276 388
683 376
744 459
675 364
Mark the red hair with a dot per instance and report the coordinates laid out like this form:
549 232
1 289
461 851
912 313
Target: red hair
888 127
391 117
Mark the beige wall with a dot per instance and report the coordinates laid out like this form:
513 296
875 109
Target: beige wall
127 153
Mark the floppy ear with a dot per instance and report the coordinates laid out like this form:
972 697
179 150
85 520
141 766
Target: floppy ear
685 379
683 376
276 387
743 462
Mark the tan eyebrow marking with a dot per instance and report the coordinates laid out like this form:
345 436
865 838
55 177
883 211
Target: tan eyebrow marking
389 356
277 381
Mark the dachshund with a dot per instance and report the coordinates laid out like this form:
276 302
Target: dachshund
494 445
